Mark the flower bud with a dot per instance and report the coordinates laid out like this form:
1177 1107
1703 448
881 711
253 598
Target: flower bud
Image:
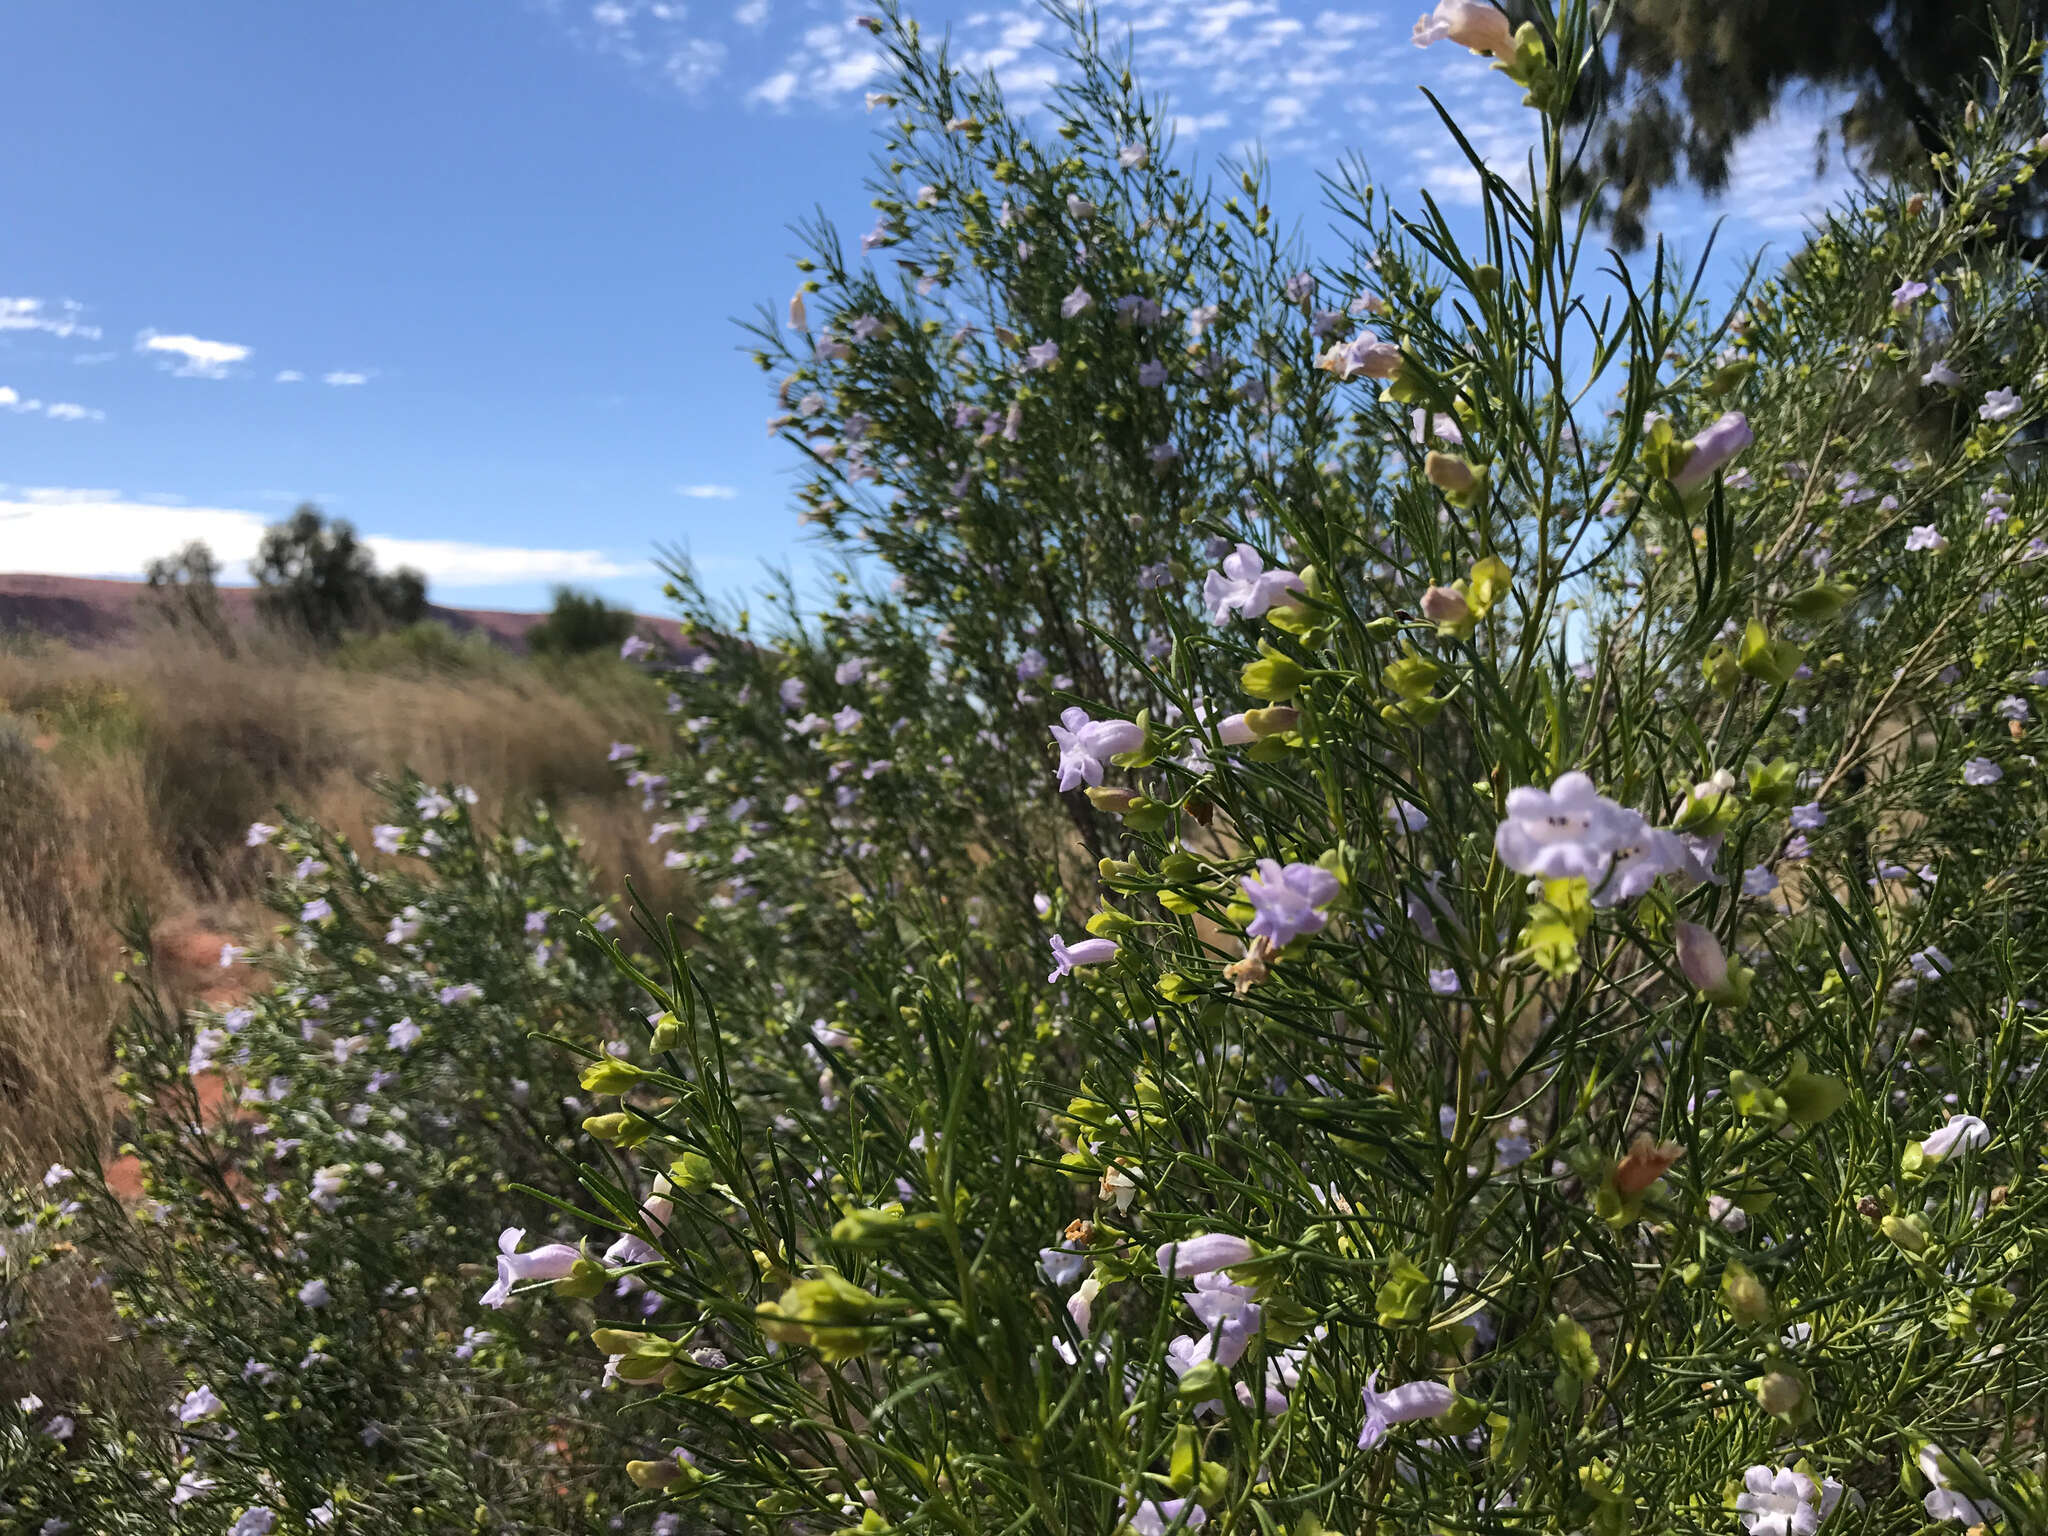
1647 1162
1746 1298
611 1076
1273 720
1710 450
1780 1394
1908 1232
1707 966
1450 474
1447 608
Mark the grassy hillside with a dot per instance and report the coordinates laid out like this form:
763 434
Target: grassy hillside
131 773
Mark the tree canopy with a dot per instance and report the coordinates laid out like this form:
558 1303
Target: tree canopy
319 579
1681 83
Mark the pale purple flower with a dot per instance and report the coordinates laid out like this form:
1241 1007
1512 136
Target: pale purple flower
1031 665
60 1426
56 1174
1400 1405
1155 1517
792 692
1907 292
1443 981
1246 587
1407 816
1076 302
1925 536
318 910
200 1403
1285 901
1152 373
2013 707
1711 449
635 647
850 671
1758 881
1086 745
1134 156
403 1035
1980 771
1809 817
314 1294
387 838
1943 1501
1063 1265
552 1261
1943 375
190 1486
260 832
257 1520
2000 405
1043 355
846 721
1572 831
405 927
1066 956
1189 1256
1473 23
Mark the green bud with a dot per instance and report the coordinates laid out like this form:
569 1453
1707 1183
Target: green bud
668 1032
1745 1298
1908 1232
1821 601
1768 660
621 1129
1273 676
1773 784
611 1076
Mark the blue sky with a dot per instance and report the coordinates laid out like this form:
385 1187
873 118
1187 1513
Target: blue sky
466 274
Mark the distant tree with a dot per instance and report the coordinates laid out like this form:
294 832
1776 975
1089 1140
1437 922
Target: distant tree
319 580
1681 83
579 622
185 595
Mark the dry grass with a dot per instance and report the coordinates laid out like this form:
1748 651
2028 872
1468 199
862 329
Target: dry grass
127 778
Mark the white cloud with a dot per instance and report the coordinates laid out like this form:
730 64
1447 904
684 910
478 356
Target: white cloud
202 359
344 380
754 13
652 36
12 399
72 531
450 563
60 319
288 376
708 492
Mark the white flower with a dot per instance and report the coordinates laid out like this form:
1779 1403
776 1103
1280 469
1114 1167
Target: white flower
1204 1254
1777 1501
1942 375
1925 536
553 1261
260 832
1943 1501
1966 1131
1980 771
54 1175
190 1486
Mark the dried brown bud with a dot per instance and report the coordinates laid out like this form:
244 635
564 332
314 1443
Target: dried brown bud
1646 1163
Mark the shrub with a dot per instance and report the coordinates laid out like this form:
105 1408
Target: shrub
1553 1047
579 623
318 581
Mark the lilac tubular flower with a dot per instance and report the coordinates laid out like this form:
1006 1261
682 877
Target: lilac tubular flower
1155 1517
200 1403
1086 745
1188 1256
1245 586
1943 375
1087 952
1999 405
1927 537
1906 293
1711 449
1980 771
1285 900
1400 1405
1473 23
552 1261
1572 831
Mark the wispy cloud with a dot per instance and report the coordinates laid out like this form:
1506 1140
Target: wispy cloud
12 399
77 531
59 318
343 379
708 492
200 359
655 37
288 376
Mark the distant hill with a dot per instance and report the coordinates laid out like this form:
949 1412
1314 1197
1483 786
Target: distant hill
84 611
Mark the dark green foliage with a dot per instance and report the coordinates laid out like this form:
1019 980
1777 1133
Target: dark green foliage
1679 84
319 581
579 622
